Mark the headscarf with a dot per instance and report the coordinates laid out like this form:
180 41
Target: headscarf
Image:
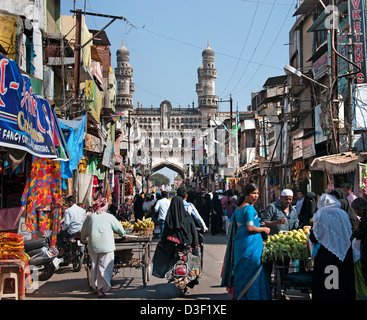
344 203
179 226
331 226
100 205
309 207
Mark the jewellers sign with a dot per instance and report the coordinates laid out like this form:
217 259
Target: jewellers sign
357 24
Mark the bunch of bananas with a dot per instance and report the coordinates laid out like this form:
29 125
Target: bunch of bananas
144 224
127 225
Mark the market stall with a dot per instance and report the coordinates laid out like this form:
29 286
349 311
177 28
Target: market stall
32 147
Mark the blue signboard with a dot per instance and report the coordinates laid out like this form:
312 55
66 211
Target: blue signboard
27 121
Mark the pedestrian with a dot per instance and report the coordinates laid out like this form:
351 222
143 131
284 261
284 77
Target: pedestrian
190 207
281 215
208 207
300 200
309 207
217 216
242 267
228 203
138 207
359 244
200 205
162 207
347 189
333 274
179 231
147 205
339 194
74 217
99 227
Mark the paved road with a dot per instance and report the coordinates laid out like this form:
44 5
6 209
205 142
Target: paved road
127 283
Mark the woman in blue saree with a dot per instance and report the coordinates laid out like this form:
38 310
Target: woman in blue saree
243 268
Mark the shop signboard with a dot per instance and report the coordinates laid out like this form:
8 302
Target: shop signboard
297 145
308 146
320 133
357 22
320 66
27 122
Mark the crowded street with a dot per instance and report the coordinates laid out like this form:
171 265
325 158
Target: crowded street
198 152
127 284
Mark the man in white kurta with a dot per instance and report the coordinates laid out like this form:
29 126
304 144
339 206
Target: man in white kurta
99 227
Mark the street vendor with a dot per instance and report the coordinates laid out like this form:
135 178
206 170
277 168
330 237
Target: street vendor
281 215
100 227
278 216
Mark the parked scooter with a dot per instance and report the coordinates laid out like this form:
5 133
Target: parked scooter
73 252
186 272
42 256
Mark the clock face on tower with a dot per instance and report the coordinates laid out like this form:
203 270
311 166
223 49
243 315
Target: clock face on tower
165 141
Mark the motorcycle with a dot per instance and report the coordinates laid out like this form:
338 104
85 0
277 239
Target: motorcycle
186 271
42 256
73 252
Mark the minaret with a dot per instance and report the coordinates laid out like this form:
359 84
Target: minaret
205 88
124 84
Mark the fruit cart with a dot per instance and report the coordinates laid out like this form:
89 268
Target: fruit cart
288 255
132 251
297 276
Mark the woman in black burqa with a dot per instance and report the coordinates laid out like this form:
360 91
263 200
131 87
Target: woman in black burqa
179 231
309 207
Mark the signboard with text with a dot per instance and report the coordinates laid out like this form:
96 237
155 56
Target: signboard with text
27 122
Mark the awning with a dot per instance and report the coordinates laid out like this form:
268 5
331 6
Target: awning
253 165
338 163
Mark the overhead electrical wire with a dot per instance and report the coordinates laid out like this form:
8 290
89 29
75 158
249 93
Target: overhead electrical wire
243 47
271 47
259 40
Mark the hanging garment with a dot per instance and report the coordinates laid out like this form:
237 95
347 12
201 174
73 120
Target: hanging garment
42 197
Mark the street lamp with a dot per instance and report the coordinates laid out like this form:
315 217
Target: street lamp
289 70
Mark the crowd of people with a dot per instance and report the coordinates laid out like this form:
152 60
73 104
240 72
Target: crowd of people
338 236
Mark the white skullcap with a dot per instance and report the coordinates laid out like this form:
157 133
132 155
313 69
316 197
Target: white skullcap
287 193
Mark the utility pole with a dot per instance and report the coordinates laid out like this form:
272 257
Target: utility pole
78 37
78 46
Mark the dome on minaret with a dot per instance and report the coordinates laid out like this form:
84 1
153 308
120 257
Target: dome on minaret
122 53
208 51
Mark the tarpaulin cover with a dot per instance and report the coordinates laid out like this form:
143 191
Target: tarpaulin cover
74 131
337 163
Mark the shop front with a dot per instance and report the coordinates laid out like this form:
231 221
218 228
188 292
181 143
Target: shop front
32 148
342 168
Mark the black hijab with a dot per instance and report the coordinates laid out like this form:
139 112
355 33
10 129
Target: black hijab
340 195
309 207
179 226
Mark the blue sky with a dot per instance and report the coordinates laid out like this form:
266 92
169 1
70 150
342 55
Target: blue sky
166 39
250 39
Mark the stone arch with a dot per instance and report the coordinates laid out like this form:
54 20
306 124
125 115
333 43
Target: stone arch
171 166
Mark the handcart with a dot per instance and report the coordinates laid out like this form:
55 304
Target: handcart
132 251
296 276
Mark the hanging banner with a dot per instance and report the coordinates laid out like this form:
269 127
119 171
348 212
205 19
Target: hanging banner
27 122
357 23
